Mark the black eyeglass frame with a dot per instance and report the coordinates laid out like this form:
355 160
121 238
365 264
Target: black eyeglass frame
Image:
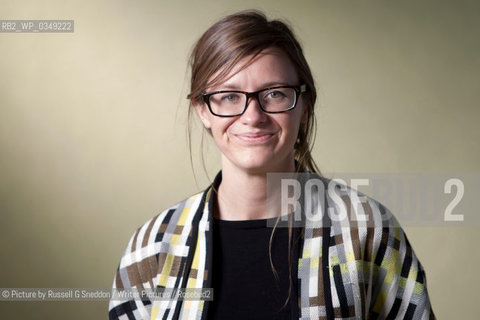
298 91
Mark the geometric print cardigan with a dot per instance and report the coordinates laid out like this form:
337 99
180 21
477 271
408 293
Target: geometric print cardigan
346 269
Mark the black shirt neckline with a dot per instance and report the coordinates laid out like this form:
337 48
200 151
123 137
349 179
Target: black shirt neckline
250 224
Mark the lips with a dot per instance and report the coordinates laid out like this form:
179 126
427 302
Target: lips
254 137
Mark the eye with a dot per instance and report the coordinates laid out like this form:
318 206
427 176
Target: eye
230 97
274 94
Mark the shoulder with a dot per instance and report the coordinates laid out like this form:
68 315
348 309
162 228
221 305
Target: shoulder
147 250
361 228
149 239
367 230
370 257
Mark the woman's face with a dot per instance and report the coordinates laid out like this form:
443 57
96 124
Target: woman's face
256 141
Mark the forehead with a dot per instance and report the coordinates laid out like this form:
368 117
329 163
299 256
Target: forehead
271 66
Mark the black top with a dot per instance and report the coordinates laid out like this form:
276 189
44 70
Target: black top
244 285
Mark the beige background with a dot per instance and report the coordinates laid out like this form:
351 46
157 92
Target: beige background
92 127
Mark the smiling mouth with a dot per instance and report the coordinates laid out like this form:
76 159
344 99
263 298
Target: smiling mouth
254 138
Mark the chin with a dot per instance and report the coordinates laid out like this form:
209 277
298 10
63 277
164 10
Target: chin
258 164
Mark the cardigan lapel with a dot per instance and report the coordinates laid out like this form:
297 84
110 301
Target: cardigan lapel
184 248
315 301
200 273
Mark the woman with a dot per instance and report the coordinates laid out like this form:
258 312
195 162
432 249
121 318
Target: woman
254 93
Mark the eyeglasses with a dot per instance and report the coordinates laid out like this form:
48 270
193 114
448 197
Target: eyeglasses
231 103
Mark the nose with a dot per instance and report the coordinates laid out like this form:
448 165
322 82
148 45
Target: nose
254 113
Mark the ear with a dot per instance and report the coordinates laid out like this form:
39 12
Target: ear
203 113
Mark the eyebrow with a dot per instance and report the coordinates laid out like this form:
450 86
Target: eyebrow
263 86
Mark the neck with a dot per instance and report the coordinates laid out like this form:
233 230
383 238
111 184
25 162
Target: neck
242 195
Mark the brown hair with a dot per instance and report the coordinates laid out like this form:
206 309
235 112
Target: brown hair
224 45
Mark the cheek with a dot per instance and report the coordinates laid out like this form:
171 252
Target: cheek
292 126
219 127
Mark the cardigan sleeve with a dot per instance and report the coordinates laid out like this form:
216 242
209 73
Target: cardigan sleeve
399 284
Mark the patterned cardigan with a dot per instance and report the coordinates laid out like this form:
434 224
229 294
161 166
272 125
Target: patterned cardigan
346 269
